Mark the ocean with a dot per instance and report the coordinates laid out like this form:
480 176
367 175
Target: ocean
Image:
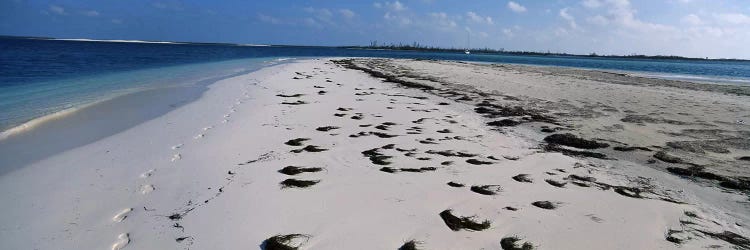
43 80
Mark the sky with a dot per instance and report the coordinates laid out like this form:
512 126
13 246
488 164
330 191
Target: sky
694 28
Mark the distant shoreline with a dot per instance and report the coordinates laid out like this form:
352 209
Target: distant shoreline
404 48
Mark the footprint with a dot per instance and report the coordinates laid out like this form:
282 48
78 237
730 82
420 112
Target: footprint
122 240
148 188
199 136
227 116
176 157
224 121
148 173
207 128
177 146
232 110
119 217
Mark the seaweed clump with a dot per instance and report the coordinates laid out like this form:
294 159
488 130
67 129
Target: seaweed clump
295 183
544 204
522 178
571 140
292 170
487 189
296 142
285 242
511 243
457 223
410 245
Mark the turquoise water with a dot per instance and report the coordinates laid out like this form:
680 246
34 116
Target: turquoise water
23 103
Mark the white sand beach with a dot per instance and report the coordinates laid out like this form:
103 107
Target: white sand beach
378 157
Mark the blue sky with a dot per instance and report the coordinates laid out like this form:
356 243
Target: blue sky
699 28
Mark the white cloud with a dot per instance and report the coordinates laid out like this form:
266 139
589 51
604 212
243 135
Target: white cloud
591 4
733 18
692 19
597 20
268 19
515 7
347 13
90 13
571 20
442 20
392 6
57 10
508 32
479 19
483 34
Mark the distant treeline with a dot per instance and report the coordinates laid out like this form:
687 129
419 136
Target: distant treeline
418 47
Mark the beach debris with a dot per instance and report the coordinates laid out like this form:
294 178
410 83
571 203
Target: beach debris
504 123
457 223
522 178
451 153
545 204
487 189
285 242
455 184
572 140
376 157
569 152
326 128
292 95
510 208
296 142
410 245
413 170
292 170
295 183
477 162
512 243
309 148
298 102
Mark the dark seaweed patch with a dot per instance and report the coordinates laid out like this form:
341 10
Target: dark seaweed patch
376 157
504 123
450 153
295 183
285 242
296 142
309 148
487 189
410 245
326 128
457 223
298 102
522 178
292 170
555 183
571 140
455 184
511 243
544 204
477 162
293 95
